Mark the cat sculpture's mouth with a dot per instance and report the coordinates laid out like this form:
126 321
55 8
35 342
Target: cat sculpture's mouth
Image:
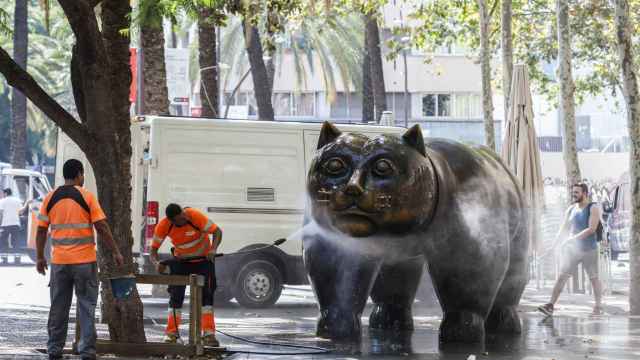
355 222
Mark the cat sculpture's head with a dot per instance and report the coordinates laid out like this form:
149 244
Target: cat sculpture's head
363 186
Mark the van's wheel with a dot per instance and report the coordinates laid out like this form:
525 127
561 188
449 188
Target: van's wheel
258 285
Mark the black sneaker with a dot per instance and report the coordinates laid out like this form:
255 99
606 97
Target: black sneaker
546 309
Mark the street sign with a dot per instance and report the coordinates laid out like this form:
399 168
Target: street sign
177 67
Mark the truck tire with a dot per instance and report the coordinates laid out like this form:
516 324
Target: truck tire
258 285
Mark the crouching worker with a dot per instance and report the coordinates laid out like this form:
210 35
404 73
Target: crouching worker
189 231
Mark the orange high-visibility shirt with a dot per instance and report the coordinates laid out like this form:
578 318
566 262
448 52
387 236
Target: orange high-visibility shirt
189 239
71 225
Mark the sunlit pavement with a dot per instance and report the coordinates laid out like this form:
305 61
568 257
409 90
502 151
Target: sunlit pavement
571 334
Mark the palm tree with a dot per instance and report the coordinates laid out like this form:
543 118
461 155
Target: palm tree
336 46
49 50
155 97
373 65
208 62
18 100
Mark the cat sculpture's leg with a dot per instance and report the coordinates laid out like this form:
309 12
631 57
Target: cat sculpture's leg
341 280
466 279
393 294
503 317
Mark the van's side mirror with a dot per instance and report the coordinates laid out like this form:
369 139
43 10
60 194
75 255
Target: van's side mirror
606 207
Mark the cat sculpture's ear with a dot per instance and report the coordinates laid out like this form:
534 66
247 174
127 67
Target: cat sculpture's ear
413 137
328 134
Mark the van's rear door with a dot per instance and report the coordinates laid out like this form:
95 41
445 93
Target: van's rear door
248 177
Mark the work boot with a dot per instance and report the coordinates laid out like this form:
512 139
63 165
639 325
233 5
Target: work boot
210 340
546 309
172 339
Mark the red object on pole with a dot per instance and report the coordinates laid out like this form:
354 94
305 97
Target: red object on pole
133 89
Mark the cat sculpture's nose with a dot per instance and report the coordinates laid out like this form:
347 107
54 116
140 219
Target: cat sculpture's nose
354 187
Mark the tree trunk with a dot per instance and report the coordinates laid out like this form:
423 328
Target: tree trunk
368 97
208 64
18 148
507 55
624 32
100 79
375 60
485 64
111 161
259 74
155 99
567 89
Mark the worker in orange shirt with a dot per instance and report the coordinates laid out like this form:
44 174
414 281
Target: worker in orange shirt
189 231
71 212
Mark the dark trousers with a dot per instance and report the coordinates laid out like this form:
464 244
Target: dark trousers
64 279
201 267
12 231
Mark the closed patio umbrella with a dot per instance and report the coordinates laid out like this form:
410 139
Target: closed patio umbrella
520 149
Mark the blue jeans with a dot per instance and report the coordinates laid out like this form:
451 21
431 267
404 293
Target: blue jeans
64 278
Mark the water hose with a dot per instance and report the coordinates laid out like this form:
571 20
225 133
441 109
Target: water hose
312 350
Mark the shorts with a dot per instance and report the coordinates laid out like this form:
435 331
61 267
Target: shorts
572 256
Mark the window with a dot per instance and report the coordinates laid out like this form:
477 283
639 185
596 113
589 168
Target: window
22 185
467 106
282 104
429 105
464 105
395 103
444 105
304 104
242 98
347 106
39 189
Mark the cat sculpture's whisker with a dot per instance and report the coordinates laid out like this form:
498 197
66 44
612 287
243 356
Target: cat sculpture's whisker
383 202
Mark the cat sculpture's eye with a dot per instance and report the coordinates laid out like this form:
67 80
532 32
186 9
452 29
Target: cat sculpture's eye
335 166
383 168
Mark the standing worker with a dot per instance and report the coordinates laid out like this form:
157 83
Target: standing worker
189 231
10 207
71 212
582 219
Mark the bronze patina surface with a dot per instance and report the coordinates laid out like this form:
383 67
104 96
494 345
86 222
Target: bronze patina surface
378 207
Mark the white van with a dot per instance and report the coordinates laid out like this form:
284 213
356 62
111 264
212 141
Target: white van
28 186
248 176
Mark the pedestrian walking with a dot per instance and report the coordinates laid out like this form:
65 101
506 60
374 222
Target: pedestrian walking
71 213
581 222
10 207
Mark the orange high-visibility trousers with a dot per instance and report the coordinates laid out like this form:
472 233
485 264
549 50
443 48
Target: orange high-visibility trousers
208 320
173 322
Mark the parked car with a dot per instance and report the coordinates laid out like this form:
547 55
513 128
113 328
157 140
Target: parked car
618 221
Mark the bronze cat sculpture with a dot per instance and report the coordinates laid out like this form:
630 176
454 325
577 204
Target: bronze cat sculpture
379 206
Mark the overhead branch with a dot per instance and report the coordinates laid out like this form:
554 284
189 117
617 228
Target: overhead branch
84 24
21 80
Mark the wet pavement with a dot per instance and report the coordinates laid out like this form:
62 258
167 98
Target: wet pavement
571 334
